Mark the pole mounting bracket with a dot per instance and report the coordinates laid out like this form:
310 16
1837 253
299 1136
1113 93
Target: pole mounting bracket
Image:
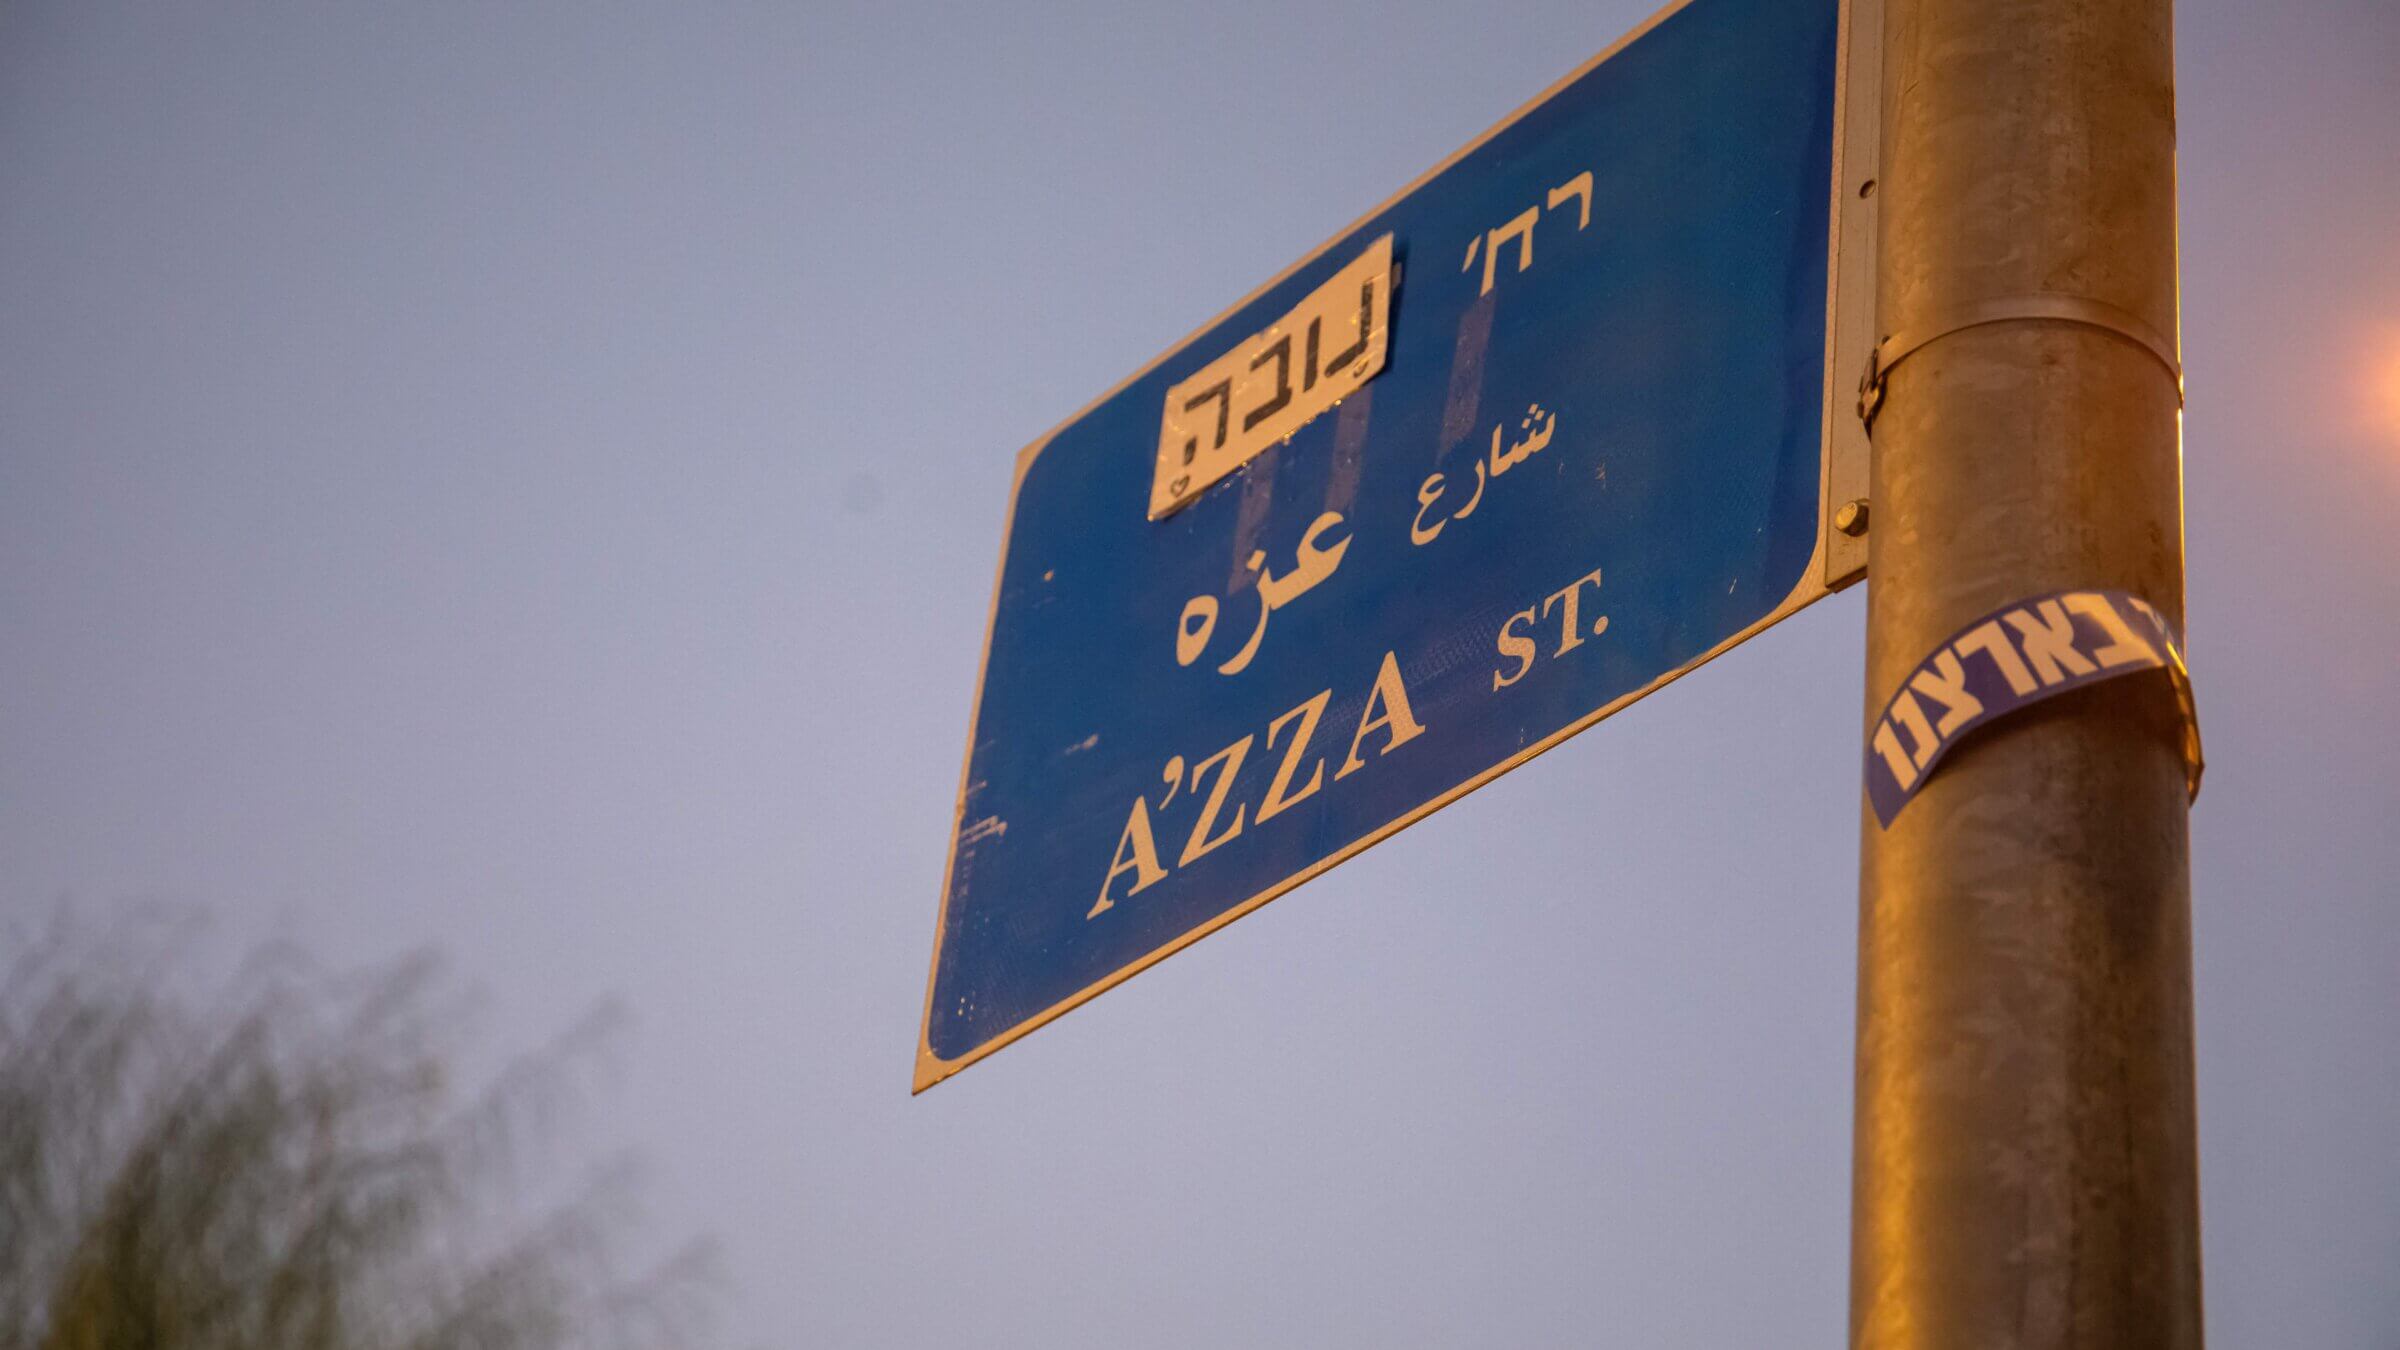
2041 308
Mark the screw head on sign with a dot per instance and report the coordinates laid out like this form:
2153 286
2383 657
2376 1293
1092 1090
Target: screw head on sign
1851 517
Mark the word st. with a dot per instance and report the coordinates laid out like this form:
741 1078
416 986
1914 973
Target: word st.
1524 649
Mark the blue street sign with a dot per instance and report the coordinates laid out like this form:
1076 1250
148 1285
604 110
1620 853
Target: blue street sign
1543 432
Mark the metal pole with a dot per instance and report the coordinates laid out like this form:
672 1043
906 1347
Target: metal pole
2025 1166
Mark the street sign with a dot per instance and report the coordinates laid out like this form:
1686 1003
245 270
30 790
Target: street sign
1548 429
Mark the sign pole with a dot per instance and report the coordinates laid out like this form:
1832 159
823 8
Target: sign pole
2025 1165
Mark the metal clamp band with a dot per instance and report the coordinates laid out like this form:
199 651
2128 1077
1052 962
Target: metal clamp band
2049 308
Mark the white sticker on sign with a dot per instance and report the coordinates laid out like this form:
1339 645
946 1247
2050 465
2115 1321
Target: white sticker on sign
1275 382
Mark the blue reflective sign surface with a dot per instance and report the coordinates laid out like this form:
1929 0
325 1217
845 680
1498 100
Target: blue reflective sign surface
1590 458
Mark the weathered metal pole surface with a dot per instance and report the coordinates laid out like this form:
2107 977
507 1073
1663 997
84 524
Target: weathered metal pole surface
2025 1166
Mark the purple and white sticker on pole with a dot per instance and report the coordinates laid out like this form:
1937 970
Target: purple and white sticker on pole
2012 658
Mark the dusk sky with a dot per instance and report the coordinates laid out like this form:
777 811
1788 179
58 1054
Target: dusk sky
525 478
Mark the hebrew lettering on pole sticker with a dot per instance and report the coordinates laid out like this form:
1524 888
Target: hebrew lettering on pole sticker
2012 658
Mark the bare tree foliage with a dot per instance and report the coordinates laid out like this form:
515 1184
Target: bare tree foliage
283 1164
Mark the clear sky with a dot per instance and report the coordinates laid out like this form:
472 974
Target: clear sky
526 478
